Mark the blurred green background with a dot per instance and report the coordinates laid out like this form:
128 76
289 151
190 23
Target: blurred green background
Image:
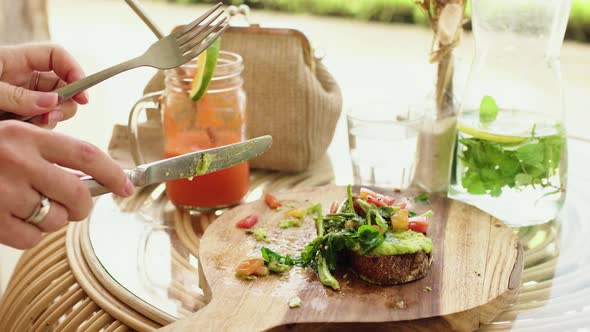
398 11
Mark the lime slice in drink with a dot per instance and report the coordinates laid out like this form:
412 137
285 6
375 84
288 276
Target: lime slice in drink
198 79
489 136
206 63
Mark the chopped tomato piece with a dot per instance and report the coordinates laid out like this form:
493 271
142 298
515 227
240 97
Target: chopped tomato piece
251 266
271 201
365 192
403 205
248 222
375 200
418 226
334 207
388 200
419 219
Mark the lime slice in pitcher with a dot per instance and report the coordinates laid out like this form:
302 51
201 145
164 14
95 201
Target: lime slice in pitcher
206 63
499 138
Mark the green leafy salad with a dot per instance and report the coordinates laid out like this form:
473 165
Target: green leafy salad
368 223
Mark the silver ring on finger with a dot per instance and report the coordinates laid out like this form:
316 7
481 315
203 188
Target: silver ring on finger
34 82
41 211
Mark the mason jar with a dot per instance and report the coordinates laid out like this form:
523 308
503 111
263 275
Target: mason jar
218 118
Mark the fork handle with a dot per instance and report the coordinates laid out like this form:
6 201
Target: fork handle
78 86
66 92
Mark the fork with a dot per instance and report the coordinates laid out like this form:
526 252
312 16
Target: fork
169 52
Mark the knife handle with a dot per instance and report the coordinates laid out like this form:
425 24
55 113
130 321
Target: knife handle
97 189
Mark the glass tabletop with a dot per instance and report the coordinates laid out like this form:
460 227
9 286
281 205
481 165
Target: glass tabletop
142 245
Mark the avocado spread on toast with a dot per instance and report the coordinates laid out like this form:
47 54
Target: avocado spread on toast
399 243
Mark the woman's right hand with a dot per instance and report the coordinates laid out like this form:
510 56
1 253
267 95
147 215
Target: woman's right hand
30 160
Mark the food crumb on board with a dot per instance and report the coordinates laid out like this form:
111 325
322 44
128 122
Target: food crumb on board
477 273
400 304
294 302
428 289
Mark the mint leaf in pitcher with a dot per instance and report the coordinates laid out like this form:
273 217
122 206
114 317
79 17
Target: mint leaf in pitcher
532 153
488 110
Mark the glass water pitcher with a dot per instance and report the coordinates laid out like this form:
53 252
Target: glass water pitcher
510 159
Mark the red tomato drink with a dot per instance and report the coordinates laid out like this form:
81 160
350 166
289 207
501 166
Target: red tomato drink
221 188
217 118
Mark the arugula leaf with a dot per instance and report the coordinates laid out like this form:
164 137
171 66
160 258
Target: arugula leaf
319 219
387 211
427 214
364 205
488 110
422 198
316 208
369 238
276 262
308 256
325 276
380 221
349 199
329 251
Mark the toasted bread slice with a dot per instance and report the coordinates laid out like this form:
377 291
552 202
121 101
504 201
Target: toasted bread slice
391 270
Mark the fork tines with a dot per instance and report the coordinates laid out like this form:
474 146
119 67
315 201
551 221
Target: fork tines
198 35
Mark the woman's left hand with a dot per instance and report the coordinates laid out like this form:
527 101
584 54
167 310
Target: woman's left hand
28 74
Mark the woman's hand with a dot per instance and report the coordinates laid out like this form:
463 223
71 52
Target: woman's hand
28 74
28 172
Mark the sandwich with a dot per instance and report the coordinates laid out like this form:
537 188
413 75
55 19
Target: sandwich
383 241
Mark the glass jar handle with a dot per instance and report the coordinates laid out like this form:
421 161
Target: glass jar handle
149 101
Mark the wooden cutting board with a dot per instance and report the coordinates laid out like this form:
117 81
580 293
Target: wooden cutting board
475 273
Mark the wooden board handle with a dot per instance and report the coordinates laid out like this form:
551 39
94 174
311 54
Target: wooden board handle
209 318
516 274
222 315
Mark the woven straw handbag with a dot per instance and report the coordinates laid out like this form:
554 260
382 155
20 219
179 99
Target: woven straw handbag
290 95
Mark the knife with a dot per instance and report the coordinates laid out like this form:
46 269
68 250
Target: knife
189 165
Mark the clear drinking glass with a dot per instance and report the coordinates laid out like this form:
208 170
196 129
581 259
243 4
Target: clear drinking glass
511 148
382 148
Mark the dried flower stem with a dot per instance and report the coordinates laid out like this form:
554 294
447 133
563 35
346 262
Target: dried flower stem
446 18
434 149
